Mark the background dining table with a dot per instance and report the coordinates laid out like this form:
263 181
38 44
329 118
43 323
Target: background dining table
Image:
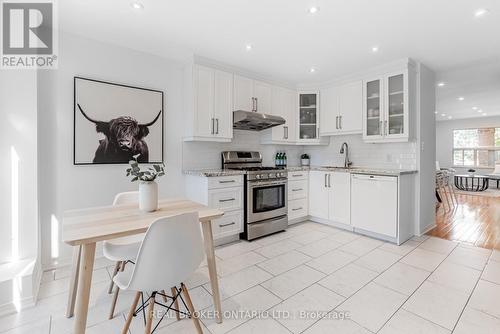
83 228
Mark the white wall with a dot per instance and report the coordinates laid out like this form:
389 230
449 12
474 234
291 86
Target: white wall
19 232
444 137
69 186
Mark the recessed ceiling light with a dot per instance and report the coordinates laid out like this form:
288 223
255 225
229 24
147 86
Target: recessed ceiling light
313 10
481 12
137 5
375 49
474 108
248 47
461 98
443 115
441 84
485 114
480 110
436 112
312 70
450 117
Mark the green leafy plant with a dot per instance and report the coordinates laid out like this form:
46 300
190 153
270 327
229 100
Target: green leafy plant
144 175
304 156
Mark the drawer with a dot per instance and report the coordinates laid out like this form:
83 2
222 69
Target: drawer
297 208
229 224
298 175
225 181
226 198
297 189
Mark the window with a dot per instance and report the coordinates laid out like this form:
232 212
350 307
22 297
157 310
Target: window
476 147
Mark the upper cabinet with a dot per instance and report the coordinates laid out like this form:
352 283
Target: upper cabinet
386 108
341 109
252 95
284 104
210 103
308 121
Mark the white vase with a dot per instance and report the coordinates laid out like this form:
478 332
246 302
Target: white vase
148 196
304 162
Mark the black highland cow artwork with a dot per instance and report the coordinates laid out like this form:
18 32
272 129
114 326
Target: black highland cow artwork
113 122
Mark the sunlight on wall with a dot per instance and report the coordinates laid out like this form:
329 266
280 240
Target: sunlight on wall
54 237
14 204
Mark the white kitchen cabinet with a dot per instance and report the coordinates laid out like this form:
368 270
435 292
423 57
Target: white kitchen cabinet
209 105
298 194
375 204
329 196
308 121
319 194
341 109
386 116
340 198
284 105
252 95
224 193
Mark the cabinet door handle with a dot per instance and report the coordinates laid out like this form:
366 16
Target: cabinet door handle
298 189
340 122
213 131
297 209
385 127
329 180
337 122
256 104
227 200
381 128
286 132
297 175
228 181
326 182
228 224
217 123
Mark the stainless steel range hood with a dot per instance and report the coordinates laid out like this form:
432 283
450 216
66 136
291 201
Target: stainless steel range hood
254 121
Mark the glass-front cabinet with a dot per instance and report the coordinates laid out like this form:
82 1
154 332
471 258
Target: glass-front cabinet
308 125
385 108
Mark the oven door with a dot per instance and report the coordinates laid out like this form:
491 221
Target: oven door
266 200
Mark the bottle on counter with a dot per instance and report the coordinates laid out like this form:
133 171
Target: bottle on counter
284 160
277 159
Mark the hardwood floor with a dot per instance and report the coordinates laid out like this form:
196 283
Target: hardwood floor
475 220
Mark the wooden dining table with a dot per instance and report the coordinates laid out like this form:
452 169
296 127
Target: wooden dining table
83 228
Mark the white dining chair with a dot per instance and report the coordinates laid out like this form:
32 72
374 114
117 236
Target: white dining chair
178 241
122 250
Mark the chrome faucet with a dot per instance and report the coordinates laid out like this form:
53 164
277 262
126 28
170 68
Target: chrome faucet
345 148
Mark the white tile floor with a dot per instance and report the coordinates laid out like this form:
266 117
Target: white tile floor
310 279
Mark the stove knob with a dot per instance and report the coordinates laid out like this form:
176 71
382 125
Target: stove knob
258 176
271 175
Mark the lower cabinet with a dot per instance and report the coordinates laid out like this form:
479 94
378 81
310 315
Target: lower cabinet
225 193
329 196
298 193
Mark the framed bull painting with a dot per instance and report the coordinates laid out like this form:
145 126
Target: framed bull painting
114 122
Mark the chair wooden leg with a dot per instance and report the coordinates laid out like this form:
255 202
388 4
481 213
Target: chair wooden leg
115 296
191 310
176 303
165 299
115 271
149 315
131 312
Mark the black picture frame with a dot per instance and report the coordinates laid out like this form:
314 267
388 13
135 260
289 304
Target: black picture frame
161 118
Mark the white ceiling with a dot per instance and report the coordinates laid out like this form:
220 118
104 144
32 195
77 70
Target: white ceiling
287 40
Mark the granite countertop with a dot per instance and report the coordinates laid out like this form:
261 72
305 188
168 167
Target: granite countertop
357 170
213 172
353 170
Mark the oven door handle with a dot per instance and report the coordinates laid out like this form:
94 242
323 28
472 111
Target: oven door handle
266 183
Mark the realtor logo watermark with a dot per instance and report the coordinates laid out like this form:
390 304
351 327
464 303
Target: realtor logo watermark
29 35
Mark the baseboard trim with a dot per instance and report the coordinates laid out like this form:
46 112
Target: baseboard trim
427 229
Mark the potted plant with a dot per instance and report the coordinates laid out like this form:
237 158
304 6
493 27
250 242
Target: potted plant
304 160
148 188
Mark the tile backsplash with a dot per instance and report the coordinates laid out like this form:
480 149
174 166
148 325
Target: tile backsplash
201 155
387 155
206 155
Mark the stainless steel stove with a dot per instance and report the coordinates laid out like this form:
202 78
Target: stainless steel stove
266 194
